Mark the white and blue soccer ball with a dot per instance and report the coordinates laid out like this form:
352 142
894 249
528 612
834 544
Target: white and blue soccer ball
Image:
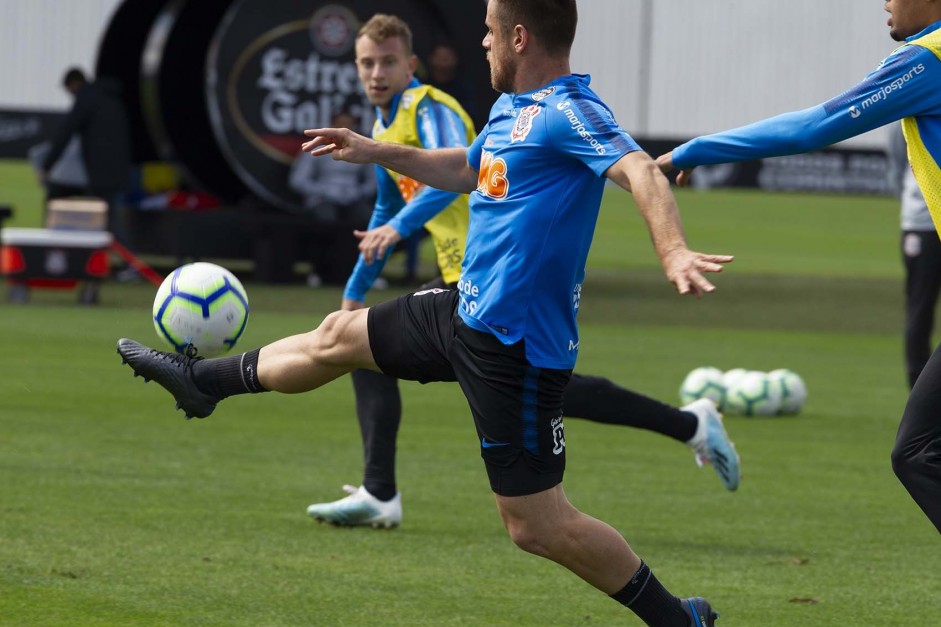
201 309
704 382
731 377
753 394
793 390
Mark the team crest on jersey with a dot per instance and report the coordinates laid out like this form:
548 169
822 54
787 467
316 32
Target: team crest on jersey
542 94
524 123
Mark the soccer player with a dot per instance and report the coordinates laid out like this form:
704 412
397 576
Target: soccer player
906 86
410 113
508 334
921 256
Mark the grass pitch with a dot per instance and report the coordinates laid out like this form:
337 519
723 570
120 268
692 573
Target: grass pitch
116 511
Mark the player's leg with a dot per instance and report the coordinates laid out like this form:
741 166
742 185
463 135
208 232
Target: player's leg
546 524
698 425
517 409
601 400
294 364
379 410
376 502
921 252
916 457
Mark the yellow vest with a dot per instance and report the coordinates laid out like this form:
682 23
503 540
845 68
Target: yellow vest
924 166
448 229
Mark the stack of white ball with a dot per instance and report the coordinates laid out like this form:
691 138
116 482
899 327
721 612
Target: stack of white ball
747 392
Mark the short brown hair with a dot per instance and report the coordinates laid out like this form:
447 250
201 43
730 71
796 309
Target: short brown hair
381 27
551 21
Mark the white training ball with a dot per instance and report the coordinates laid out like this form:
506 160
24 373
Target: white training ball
704 382
731 377
793 390
201 309
753 395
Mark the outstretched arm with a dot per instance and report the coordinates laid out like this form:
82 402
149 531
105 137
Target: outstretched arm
445 169
904 85
637 173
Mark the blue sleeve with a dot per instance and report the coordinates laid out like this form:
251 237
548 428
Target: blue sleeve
586 129
388 202
439 126
906 84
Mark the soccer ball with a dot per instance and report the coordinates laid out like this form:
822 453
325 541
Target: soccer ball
704 382
201 309
731 377
753 394
793 389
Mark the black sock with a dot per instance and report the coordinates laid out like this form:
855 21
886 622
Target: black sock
645 596
379 410
600 400
228 376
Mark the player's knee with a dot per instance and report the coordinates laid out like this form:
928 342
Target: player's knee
528 537
904 463
330 339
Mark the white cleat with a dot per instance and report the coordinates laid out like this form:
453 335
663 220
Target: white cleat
360 508
712 444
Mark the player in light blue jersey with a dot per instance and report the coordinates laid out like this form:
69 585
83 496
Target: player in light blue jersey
906 86
508 334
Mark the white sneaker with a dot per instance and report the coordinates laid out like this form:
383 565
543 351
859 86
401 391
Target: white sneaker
359 508
712 444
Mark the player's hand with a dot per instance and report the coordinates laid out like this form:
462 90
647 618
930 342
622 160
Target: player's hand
341 143
374 243
685 268
348 304
665 163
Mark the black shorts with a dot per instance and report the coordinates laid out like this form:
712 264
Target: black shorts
517 407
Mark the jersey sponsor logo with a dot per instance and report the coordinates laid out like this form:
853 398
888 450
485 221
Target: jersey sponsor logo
558 436
492 179
468 291
579 127
573 345
524 123
542 94
887 90
577 296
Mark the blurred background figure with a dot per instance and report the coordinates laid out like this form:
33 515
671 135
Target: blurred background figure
99 119
443 69
68 176
337 195
921 254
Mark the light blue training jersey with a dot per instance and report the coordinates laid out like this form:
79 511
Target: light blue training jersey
541 160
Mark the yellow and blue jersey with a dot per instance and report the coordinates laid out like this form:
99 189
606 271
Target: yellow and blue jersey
424 117
906 86
541 160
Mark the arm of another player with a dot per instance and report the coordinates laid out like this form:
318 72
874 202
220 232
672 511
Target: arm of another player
904 85
388 202
445 169
637 173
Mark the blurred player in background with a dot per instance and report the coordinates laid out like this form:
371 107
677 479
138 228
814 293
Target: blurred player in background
410 113
921 255
906 86
508 334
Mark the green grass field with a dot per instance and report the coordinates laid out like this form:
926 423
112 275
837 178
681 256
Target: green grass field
114 510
